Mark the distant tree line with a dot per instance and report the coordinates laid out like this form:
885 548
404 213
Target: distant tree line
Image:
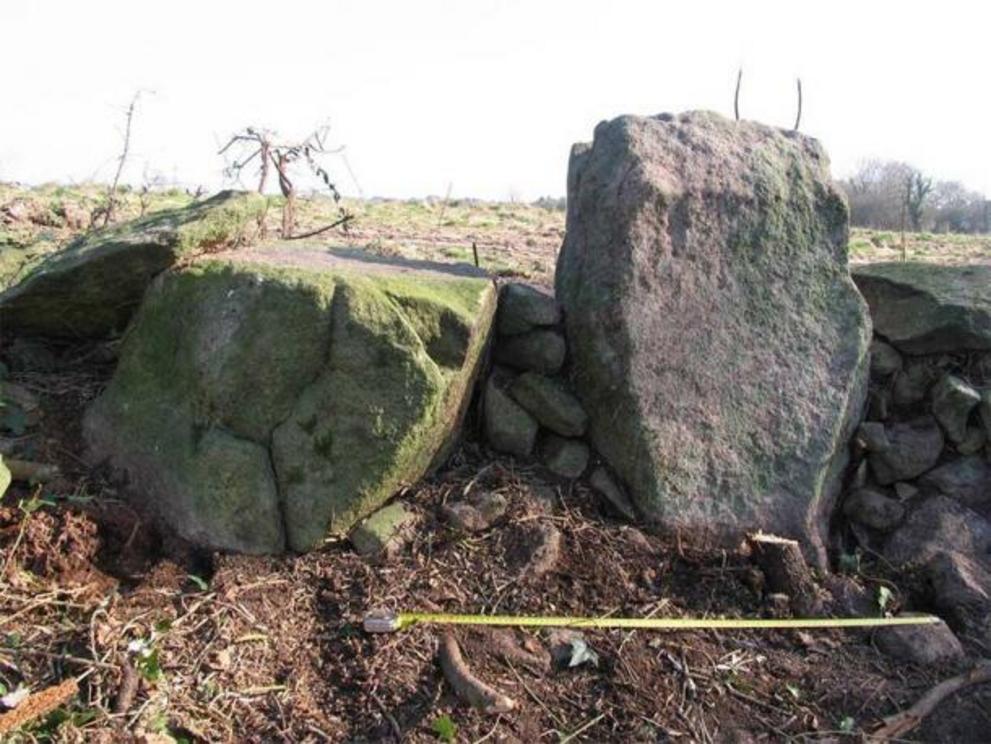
889 195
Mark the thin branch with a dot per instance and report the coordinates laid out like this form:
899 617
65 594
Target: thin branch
342 221
798 116
736 95
108 215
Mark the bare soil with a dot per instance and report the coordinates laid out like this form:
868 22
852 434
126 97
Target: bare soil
239 648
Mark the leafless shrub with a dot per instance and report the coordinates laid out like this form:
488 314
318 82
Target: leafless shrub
259 148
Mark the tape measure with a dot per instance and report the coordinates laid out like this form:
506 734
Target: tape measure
390 622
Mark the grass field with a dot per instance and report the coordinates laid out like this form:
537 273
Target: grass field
512 239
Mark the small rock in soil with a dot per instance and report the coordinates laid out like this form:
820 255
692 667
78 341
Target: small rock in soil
874 509
548 402
523 308
476 513
919 644
538 351
535 549
885 359
915 448
508 428
953 400
604 483
381 536
567 458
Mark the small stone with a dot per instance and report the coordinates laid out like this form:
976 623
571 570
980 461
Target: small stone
911 385
905 491
508 428
885 359
967 480
539 351
523 308
973 441
603 482
383 533
915 448
547 401
565 457
953 400
872 437
874 509
476 513
919 644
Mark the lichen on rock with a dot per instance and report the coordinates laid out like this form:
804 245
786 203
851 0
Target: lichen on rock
716 338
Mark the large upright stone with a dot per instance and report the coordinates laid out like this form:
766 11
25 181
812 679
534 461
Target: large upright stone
719 345
93 287
267 397
926 308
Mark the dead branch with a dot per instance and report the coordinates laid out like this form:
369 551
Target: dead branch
128 689
469 687
111 206
896 726
342 221
736 95
798 115
38 704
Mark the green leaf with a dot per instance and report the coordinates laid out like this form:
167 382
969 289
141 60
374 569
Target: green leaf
847 724
148 666
793 691
203 586
445 728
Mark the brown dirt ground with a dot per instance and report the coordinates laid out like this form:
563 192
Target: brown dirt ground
235 648
271 649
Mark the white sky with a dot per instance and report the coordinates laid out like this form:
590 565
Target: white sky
484 95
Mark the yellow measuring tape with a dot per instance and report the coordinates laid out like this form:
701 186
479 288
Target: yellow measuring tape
389 622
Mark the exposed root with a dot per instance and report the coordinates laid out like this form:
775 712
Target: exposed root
896 726
469 687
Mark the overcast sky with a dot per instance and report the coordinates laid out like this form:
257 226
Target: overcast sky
486 96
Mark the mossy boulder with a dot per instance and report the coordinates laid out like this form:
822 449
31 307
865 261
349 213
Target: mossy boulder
268 397
92 287
926 308
717 341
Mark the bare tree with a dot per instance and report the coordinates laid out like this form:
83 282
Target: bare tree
260 146
108 211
